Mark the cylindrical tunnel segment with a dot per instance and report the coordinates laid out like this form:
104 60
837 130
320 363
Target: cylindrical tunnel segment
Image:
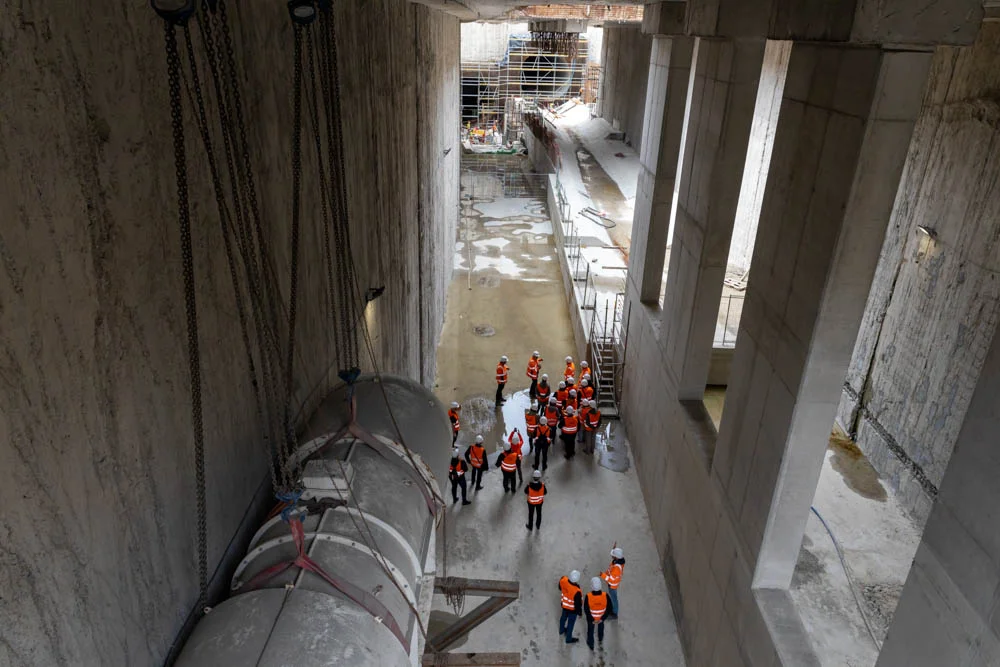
368 526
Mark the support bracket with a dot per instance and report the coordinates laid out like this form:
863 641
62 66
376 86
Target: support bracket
498 594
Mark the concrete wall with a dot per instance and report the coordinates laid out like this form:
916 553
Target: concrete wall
482 41
98 524
625 71
933 308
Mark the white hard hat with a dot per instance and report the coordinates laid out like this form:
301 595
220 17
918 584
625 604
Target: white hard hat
545 376
479 439
570 380
562 385
538 475
454 404
583 364
584 383
503 359
535 353
543 421
506 446
570 410
574 576
455 453
593 404
595 584
617 553
569 359
572 392
552 400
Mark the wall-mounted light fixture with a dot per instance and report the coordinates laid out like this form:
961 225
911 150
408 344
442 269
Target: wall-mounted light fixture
373 293
302 11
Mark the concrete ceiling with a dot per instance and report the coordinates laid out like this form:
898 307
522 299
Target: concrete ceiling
474 10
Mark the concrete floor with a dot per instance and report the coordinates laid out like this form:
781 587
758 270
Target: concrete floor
593 502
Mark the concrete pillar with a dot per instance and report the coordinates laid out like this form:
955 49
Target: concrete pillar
663 123
844 127
726 74
949 613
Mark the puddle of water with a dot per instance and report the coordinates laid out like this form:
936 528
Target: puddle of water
491 243
858 474
512 206
504 265
612 447
536 229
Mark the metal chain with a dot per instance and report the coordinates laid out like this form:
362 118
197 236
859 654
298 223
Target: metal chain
194 357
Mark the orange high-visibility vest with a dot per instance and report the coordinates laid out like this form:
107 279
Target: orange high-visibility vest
531 419
501 373
543 432
570 370
574 402
543 391
476 454
585 375
582 414
613 575
453 414
515 444
552 416
509 462
562 395
570 424
536 496
458 467
568 590
593 419
533 367
588 392
598 603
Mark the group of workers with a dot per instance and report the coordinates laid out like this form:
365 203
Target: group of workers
597 605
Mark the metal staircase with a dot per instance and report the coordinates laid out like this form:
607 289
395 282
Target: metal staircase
608 343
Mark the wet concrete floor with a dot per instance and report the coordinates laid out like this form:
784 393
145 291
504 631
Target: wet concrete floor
605 194
507 285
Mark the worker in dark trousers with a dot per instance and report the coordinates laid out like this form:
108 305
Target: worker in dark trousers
613 575
516 446
543 438
534 367
572 604
456 473
595 606
568 429
543 391
453 417
507 462
536 496
475 456
502 371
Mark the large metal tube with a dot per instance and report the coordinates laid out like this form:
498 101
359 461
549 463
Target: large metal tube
367 523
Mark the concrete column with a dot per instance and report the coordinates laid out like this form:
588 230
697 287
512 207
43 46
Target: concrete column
663 124
726 74
844 127
949 613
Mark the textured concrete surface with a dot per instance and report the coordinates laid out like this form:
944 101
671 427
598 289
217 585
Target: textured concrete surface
96 426
624 61
932 309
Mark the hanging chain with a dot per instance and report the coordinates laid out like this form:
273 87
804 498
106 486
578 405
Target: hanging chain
194 357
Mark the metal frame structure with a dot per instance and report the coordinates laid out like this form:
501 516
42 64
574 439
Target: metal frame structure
498 593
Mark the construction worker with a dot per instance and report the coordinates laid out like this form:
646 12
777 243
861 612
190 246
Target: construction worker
584 371
553 415
570 369
572 604
543 391
586 391
534 366
582 414
595 606
475 455
455 424
613 575
536 496
573 401
502 371
507 462
570 426
590 425
456 473
516 445
562 395
531 424
543 438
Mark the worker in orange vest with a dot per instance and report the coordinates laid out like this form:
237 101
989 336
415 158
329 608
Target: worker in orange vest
507 462
581 434
453 417
573 401
562 394
475 455
552 414
536 496
456 473
543 391
543 438
502 370
590 425
613 575
569 427
571 603
584 371
595 606
586 391
534 366
516 445
570 369
531 424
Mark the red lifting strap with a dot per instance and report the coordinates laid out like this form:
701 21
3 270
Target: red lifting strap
362 598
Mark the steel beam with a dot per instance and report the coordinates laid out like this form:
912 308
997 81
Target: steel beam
480 587
464 625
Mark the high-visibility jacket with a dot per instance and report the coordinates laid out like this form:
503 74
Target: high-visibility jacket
588 392
585 375
582 415
543 391
533 367
613 575
543 435
562 395
501 373
453 416
457 469
552 415
531 420
508 461
476 454
597 605
573 402
516 442
535 496
569 592
593 419
570 424
570 370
